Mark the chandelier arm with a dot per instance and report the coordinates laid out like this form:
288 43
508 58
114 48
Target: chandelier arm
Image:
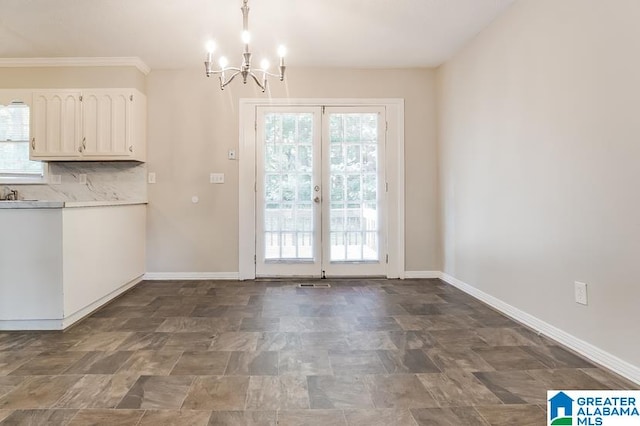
213 72
224 84
263 87
270 74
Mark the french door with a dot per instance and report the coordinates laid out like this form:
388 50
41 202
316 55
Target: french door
320 191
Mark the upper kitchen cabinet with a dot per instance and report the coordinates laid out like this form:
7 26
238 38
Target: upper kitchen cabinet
111 126
56 125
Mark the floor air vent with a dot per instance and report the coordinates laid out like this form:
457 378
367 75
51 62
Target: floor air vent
314 285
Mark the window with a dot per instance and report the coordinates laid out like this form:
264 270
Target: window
15 166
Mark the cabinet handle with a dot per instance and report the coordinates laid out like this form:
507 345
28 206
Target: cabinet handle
84 142
80 149
33 143
131 148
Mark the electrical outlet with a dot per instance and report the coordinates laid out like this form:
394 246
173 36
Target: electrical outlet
580 293
151 178
232 154
216 178
82 178
55 179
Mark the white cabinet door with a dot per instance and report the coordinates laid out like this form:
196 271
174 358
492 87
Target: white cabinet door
56 125
106 123
138 132
89 125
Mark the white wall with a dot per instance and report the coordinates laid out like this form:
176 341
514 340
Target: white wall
192 124
71 77
539 141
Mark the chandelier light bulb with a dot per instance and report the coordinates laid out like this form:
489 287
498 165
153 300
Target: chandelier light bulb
282 51
211 46
246 37
264 65
223 62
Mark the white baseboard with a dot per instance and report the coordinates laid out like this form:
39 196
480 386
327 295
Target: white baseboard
160 276
165 276
31 325
87 310
63 323
589 351
422 274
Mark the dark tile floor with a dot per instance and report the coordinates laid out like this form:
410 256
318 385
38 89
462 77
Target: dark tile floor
364 352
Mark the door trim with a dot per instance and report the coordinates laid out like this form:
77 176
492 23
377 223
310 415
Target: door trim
247 177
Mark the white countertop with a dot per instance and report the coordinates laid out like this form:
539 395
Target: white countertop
38 204
102 203
31 204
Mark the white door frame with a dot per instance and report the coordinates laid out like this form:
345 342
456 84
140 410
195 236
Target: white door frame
247 177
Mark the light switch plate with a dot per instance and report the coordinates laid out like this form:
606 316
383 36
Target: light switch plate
580 290
82 178
151 178
216 178
232 154
55 179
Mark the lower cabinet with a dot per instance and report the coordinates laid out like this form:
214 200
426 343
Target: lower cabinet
59 265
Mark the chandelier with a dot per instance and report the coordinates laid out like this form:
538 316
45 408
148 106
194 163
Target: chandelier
227 73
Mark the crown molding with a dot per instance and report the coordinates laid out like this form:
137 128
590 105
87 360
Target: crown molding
77 62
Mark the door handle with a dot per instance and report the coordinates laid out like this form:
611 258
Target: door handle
316 200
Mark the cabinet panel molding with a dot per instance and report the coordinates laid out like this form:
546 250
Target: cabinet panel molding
56 128
89 125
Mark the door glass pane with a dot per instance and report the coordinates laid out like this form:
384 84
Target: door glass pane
353 189
288 189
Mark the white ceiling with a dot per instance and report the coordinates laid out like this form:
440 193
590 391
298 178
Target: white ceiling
172 33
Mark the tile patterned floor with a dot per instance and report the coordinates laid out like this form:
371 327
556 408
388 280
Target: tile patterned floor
364 352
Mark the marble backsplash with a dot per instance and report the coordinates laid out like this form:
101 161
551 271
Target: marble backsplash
106 181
